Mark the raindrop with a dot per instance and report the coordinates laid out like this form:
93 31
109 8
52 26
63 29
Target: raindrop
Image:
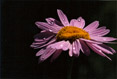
79 20
50 30
100 51
61 45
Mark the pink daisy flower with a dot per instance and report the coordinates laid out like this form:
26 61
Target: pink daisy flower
73 36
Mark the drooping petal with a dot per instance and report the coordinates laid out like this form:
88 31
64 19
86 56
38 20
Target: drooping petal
56 54
53 21
97 50
76 48
108 48
92 26
102 49
84 48
47 54
40 52
46 44
70 51
63 18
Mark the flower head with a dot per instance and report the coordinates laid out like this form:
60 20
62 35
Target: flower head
56 37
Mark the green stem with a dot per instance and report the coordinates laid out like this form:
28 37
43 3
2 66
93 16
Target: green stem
70 64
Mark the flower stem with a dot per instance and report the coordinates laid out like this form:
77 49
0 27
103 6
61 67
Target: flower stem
70 65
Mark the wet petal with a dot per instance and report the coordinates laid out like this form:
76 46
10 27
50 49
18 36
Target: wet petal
60 45
92 26
56 54
46 26
53 21
102 49
63 18
97 50
47 54
80 22
103 39
76 48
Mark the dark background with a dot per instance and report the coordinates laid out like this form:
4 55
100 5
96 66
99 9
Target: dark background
18 28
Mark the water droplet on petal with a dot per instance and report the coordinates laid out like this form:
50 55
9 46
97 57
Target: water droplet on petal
61 45
104 39
79 20
100 51
50 30
73 48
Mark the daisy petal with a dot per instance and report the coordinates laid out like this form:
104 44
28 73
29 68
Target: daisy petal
92 26
103 39
40 52
76 48
60 45
70 51
80 22
56 54
90 41
46 55
46 26
100 32
84 48
53 21
107 47
102 49
63 18
97 50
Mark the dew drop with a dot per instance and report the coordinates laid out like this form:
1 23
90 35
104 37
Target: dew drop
79 20
61 45
50 30
100 51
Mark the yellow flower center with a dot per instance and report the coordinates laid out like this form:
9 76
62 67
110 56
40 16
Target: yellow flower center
72 33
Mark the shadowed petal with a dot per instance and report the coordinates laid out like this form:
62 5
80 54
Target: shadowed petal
92 26
102 49
56 54
63 18
40 52
53 21
84 48
47 54
97 50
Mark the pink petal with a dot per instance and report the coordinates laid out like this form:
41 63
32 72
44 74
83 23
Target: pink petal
100 32
56 54
97 50
46 55
84 48
107 47
46 26
46 44
70 51
103 39
80 22
63 18
40 52
102 49
90 41
53 21
92 26
76 48
60 45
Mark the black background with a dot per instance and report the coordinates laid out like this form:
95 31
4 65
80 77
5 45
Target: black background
18 28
